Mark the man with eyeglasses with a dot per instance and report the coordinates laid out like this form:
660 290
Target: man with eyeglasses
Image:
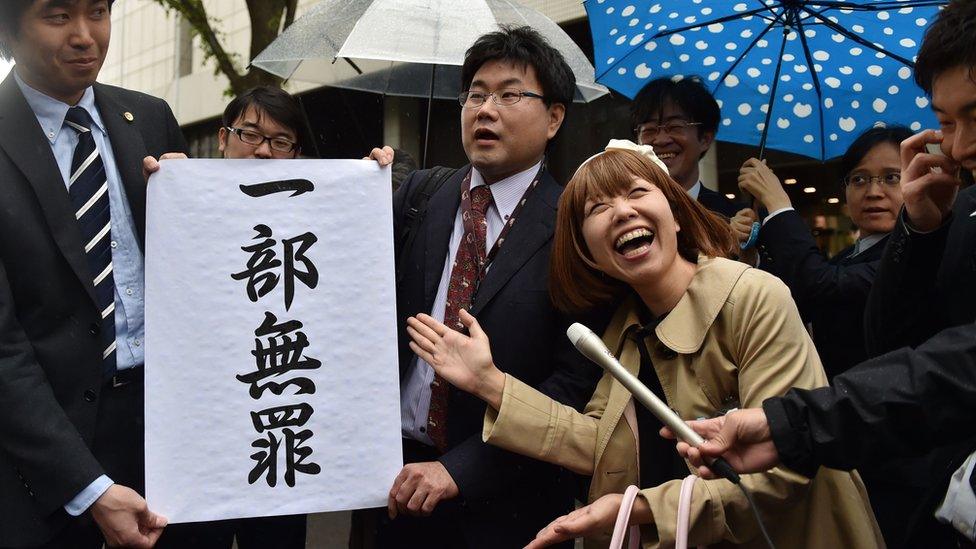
263 122
680 120
483 244
832 293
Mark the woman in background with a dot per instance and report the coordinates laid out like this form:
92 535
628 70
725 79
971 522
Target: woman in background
832 293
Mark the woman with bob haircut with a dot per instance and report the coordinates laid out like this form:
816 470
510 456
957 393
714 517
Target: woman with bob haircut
707 334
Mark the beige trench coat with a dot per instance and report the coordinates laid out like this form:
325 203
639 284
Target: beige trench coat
734 339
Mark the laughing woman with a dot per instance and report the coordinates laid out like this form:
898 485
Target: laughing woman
705 333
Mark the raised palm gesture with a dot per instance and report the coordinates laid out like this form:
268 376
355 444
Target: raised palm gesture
463 360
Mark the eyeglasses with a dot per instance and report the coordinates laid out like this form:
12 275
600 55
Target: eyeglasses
647 132
505 97
860 180
256 139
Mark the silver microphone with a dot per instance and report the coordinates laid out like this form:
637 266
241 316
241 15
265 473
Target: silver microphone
593 348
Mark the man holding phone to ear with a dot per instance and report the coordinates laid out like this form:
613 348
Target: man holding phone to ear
908 400
925 281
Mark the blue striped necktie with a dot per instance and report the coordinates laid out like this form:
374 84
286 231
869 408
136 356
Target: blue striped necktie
88 190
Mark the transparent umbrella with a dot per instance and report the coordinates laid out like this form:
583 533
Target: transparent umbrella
409 48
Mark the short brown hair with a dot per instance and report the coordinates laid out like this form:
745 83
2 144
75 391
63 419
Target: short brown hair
576 285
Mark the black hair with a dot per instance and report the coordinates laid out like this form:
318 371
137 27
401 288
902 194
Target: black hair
271 101
949 42
524 47
868 140
688 94
10 13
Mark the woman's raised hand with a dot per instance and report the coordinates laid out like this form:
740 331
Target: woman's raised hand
463 360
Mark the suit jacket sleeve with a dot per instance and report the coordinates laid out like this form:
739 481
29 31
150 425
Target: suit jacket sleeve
790 252
174 135
899 308
49 454
899 404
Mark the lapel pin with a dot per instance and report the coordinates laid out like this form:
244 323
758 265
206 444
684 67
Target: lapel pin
128 116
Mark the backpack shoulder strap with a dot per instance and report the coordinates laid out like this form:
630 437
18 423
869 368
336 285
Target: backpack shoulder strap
417 210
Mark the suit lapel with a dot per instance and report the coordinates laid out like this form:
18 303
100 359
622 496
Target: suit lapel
532 229
441 211
128 149
23 140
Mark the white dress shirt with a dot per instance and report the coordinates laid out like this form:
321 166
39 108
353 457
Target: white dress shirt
958 509
415 385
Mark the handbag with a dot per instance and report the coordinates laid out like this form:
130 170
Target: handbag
621 528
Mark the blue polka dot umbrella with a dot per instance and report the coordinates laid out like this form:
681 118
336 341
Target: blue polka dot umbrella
798 76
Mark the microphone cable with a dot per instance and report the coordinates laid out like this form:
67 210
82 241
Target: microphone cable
755 512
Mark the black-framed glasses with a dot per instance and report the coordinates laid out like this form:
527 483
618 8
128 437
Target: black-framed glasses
255 139
505 97
862 180
647 132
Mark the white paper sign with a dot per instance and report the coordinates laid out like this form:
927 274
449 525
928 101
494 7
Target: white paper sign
221 341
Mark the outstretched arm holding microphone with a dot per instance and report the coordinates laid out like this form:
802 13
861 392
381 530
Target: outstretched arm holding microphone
902 403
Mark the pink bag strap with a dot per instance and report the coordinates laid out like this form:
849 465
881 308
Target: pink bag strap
620 529
684 512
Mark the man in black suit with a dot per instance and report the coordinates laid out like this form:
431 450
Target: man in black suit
925 280
680 120
456 491
72 221
832 293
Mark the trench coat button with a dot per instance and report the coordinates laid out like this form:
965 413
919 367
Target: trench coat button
90 395
94 329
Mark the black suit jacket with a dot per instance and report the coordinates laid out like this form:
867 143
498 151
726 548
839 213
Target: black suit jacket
896 405
925 285
50 351
507 498
718 202
926 281
831 294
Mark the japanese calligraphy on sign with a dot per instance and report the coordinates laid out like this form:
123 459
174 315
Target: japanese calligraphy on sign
271 367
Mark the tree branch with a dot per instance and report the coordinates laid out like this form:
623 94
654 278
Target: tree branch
196 14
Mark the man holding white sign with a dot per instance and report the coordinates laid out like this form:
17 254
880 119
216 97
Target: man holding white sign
262 123
71 282
273 283
482 242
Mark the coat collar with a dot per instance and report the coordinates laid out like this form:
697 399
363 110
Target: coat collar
684 329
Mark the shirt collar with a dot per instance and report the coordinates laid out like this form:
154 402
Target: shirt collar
863 244
684 328
50 112
507 192
695 190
